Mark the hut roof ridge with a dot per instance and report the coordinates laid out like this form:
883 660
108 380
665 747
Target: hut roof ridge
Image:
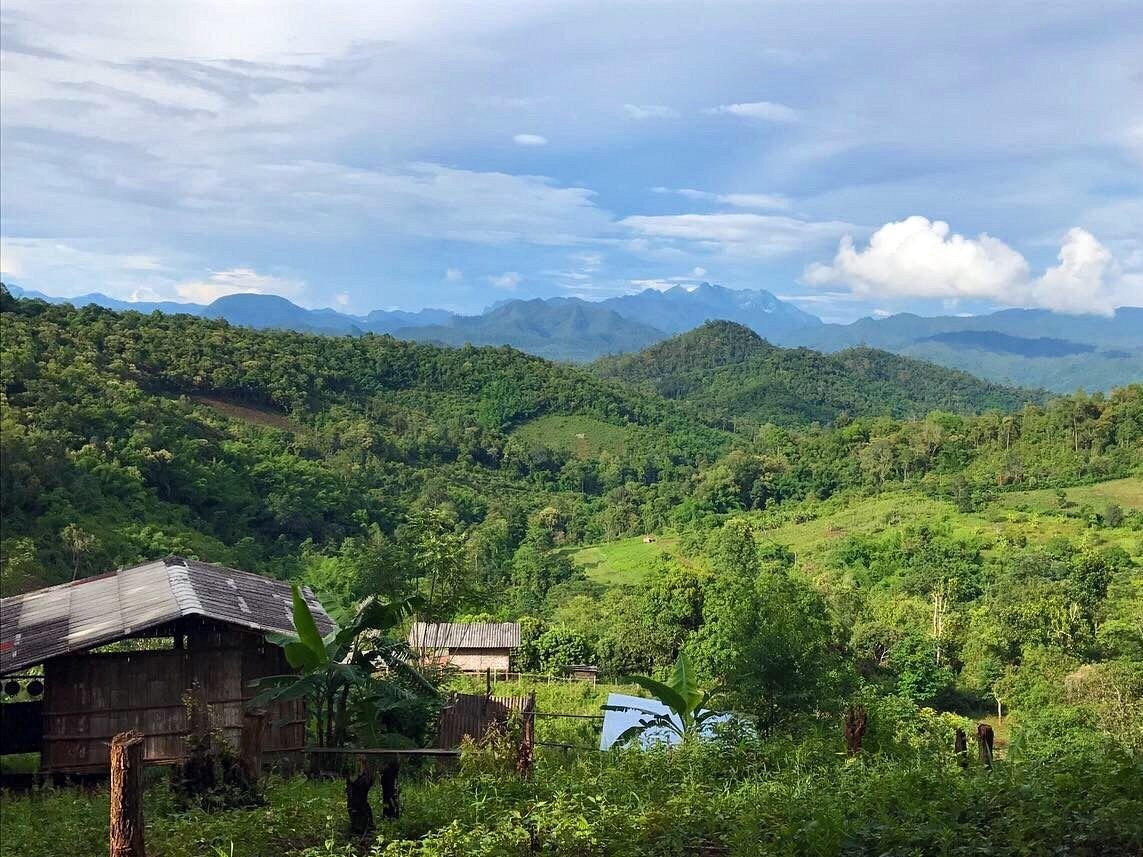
83 614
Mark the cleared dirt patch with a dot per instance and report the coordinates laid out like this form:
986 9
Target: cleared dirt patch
249 414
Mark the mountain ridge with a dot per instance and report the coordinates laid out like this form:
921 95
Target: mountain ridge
1019 347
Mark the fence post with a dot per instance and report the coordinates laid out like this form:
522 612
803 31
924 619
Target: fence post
250 744
126 833
390 791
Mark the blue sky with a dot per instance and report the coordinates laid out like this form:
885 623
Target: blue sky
857 158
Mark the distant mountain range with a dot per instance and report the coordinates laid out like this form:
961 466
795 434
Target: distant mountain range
1027 348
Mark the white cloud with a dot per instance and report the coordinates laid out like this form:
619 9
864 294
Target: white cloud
919 258
763 201
454 275
756 200
236 281
699 271
770 111
1086 280
342 298
651 111
738 234
530 140
65 270
508 281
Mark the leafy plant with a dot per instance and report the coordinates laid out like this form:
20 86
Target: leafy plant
358 680
681 694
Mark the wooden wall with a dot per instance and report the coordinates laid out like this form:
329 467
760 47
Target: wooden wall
479 660
91 697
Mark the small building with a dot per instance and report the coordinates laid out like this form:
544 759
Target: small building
472 646
584 672
121 650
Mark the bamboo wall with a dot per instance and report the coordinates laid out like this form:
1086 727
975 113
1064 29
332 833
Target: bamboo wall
91 697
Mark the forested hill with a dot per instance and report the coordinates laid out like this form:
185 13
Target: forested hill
158 433
356 463
726 369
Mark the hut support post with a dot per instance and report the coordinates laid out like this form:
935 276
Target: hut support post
126 834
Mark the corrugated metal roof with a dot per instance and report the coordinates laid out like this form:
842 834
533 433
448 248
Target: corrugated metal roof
461 635
41 625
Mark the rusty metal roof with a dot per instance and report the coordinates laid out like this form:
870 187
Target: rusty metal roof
41 625
461 635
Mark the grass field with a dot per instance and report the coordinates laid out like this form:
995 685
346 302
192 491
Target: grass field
585 437
1127 493
1031 516
624 561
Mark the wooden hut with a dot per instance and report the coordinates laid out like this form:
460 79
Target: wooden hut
471 646
121 650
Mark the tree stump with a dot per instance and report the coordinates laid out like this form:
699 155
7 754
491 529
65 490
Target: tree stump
390 792
984 739
357 800
856 722
126 833
960 747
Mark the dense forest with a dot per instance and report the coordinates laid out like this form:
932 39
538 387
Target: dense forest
823 532
725 368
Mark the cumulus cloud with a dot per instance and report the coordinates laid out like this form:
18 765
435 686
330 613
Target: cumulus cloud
769 111
454 275
919 258
508 281
342 298
1086 280
530 140
651 111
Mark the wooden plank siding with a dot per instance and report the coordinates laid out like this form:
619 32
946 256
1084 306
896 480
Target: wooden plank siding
472 715
91 697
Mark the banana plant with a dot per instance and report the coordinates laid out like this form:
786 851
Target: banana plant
681 695
338 674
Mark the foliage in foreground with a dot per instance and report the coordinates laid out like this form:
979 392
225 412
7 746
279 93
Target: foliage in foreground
773 798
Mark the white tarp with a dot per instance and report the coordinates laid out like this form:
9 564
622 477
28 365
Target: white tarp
615 723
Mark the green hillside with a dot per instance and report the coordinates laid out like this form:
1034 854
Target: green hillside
725 369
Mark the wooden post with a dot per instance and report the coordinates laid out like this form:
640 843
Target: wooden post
390 793
357 800
524 755
984 739
126 835
856 722
250 744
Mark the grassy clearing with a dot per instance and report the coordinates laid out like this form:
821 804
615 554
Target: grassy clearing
624 561
1033 517
585 437
1127 493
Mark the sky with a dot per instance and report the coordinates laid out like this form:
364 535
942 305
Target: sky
855 158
